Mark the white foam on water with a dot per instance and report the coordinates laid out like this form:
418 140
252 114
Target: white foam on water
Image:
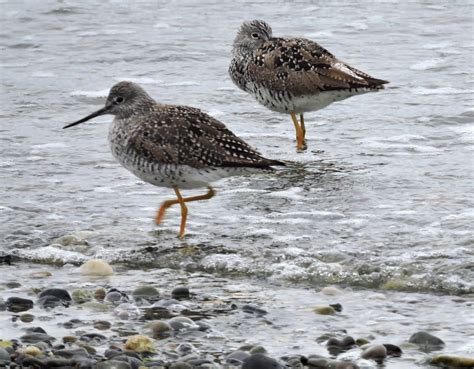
161 25
35 158
40 74
466 132
428 64
182 83
291 194
359 26
5 208
51 145
440 91
102 93
50 254
321 34
139 80
6 164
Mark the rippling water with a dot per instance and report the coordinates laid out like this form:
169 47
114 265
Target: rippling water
382 199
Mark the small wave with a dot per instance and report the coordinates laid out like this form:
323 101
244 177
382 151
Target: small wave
140 80
51 145
429 64
182 83
102 93
439 91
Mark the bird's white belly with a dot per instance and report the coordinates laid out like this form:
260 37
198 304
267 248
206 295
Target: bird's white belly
304 103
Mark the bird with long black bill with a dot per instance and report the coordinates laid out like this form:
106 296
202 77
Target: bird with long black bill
173 146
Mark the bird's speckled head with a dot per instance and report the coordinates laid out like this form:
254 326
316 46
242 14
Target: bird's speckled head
125 100
250 37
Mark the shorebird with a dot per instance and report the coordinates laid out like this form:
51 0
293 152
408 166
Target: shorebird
173 146
293 75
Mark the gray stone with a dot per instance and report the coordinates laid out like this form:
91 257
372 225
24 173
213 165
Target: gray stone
260 361
180 292
18 304
237 357
426 341
375 352
4 355
148 293
113 364
180 365
56 292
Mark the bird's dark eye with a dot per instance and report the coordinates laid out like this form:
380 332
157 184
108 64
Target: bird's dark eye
119 100
255 35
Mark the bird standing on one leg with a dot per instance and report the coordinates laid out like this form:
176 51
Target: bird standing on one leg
174 146
293 75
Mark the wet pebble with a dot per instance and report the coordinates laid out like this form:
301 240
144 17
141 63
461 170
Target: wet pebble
237 357
77 352
32 351
452 361
50 302
181 322
27 318
97 268
180 292
324 310
159 328
35 337
149 293
59 293
139 343
180 365
393 350
374 352
80 295
337 307
69 339
18 304
253 309
99 294
260 361
324 363
4 356
93 338
102 325
115 296
336 346
426 341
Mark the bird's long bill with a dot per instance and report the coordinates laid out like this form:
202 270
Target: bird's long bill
102 111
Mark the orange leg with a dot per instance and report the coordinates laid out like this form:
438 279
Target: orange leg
303 129
300 142
184 210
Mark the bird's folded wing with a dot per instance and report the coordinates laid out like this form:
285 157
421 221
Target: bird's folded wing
302 67
187 136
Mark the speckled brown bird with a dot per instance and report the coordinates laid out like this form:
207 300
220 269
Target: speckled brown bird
174 146
293 75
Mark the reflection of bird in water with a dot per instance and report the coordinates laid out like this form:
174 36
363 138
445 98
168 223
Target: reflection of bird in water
293 75
174 146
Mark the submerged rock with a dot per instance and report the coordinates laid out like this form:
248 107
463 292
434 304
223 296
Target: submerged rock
426 341
53 297
32 351
181 322
237 357
18 304
96 267
159 328
180 292
80 295
260 361
331 291
4 356
393 350
27 318
336 346
324 310
148 293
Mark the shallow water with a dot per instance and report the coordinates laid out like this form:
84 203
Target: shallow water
381 199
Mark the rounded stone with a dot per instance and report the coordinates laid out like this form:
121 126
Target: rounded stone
96 268
180 365
139 343
180 292
99 294
4 355
374 352
324 310
258 350
69 339
426 341
18 304
181 322
148 293
79 296
32 351
102 325
452 361
27 318
159 328
393 350
49 302
260 361
237 357
113 364
60 293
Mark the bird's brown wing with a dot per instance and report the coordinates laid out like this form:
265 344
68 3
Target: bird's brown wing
303 67
187 136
